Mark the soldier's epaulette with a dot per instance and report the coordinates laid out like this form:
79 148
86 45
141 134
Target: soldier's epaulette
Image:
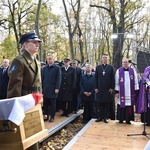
19 57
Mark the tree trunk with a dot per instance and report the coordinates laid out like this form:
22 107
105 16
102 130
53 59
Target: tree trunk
37 29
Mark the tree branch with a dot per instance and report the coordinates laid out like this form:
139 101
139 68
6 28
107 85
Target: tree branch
109 10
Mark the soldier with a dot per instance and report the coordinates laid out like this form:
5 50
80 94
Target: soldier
25 70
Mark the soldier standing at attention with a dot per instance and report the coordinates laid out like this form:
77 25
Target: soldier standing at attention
25 71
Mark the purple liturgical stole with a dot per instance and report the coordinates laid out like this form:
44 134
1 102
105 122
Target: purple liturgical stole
141 102
144 94
148 97
122 86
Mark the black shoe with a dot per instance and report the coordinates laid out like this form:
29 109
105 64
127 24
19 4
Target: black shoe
105 121
120 121
67 115
84 121
46 119
98 120
63 114
75 112
128 122
51 120
147 124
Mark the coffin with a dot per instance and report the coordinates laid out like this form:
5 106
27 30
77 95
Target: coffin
29 132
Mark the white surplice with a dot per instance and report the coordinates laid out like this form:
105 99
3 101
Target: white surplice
127 86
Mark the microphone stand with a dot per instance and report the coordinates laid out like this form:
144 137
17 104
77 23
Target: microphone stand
144 131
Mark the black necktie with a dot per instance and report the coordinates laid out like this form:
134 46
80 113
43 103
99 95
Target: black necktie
4 69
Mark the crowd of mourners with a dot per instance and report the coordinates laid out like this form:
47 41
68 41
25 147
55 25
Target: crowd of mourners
70 86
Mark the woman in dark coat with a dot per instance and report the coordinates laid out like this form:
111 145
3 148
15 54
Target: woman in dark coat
68 84
88 94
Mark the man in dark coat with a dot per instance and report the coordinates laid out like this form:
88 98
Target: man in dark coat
68 84
104 87
51 79
88 93
75 100
4 79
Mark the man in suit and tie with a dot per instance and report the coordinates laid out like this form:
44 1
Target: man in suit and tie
4 79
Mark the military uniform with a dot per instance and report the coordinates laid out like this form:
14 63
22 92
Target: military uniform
25 76
25 71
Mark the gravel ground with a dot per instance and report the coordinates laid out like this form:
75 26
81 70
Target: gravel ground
64 136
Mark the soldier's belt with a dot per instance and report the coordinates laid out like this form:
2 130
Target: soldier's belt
31 88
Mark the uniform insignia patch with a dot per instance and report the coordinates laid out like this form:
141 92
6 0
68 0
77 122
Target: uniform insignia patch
14 68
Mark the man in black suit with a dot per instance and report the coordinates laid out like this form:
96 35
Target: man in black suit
68 84
104 87
75 100
4 79
51 79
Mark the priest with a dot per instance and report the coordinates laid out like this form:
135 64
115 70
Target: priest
143 103
126 83
104 89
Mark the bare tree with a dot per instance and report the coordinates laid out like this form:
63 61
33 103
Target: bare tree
72 27
119 25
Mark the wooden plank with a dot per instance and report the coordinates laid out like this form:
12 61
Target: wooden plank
34 138
111 136
58 119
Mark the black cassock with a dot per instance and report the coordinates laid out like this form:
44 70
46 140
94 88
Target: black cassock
105 80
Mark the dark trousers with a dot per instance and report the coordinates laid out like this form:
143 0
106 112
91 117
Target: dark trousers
49 106
145 117
126 113
66 107
75 102
58 105
111 114
89 110
3 96
102 109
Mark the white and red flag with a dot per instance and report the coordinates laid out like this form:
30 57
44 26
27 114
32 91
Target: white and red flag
14 109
